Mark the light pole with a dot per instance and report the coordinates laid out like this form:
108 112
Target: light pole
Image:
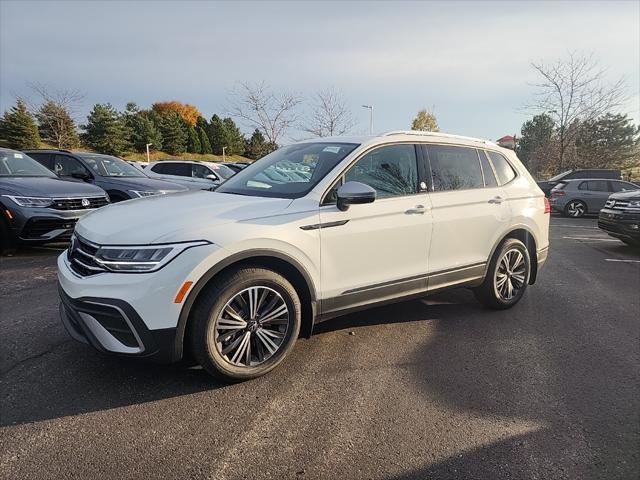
223 154
370 107
148 145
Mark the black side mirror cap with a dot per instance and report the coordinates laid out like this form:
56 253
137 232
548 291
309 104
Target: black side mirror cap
354 193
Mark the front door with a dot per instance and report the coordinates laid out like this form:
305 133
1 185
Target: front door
377 251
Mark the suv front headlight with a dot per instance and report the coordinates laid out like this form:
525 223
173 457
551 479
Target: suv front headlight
136 259
41 202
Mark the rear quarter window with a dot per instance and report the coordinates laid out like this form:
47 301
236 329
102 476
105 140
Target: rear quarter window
503 168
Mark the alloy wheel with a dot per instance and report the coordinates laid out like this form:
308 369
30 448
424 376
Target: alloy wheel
510 275
576 209
252 326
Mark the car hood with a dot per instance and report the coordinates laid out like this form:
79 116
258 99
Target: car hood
630 195
172 218
144 184
47 187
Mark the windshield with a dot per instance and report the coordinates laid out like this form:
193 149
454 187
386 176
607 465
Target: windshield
222 171
16 164
108 166
290 172
559 176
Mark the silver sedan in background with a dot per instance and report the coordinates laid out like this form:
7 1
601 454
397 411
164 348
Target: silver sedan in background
576 198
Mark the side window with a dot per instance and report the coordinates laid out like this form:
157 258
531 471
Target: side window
503 169
66 166
392 170
454 168
622 186
171 168
200 171
43 159
594 186
489 177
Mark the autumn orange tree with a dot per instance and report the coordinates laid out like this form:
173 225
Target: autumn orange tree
189 113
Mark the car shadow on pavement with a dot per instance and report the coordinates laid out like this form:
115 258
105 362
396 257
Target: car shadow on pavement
91 382
559 401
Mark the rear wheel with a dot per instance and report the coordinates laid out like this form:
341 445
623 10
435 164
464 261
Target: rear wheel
507 276
575 209
245 324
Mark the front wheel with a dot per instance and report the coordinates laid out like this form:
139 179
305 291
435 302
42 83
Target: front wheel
245 323
507 276
575 209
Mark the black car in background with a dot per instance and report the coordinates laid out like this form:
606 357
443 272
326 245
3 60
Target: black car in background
36 206
620 217
118 178
547 185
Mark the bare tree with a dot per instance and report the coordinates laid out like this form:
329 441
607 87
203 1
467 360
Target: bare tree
55 113
574 90
260 108
330 115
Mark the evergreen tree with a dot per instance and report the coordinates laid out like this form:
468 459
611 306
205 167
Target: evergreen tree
174 138
234 138
18 129
143 131
535 147
607 142
56 126
193 142
106 131
256 147
217 134
205 146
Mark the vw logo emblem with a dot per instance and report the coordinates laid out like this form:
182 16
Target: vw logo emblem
85 202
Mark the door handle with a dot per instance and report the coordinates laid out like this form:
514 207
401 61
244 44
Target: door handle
417 210
497 200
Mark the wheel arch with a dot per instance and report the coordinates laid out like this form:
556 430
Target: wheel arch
274 260
525 235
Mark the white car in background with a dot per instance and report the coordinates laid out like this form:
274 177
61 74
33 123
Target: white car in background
194 175
312 231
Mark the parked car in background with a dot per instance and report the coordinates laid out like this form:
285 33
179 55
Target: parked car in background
236 166
620 217
547 185
313 230
114 175
575 198
193 175
36 205
138 165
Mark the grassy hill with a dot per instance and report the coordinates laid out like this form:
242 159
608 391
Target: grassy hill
154 156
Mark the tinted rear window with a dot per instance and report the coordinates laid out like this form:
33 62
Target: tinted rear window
454 168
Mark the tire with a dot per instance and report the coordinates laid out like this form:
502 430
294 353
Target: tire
631 243
492 293
6 245
118 197
220 344
575 209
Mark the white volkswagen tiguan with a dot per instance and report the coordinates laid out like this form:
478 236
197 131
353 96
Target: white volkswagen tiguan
312 231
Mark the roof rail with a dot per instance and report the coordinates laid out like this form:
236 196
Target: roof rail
48 149
436 134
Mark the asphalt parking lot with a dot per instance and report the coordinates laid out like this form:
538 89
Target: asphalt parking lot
436 388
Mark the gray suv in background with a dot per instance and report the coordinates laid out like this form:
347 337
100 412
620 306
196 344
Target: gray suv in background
575 198
191 174
36 206
118 178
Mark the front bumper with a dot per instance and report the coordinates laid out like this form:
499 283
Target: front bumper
620 224
42 225
113 326
131 314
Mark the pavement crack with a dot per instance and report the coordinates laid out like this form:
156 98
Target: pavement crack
5 372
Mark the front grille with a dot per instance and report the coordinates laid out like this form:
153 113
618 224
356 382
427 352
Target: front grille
47 228
622 205
80 203
82 257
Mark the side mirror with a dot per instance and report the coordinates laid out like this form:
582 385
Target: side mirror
212 177
354 193
81 175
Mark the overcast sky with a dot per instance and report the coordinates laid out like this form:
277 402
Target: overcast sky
470 62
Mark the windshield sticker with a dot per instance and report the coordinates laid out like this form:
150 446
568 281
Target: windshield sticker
331 149
17 155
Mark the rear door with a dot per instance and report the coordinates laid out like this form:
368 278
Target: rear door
42 158
470 212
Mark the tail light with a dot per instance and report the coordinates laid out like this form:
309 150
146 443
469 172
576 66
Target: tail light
547 205
557 193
